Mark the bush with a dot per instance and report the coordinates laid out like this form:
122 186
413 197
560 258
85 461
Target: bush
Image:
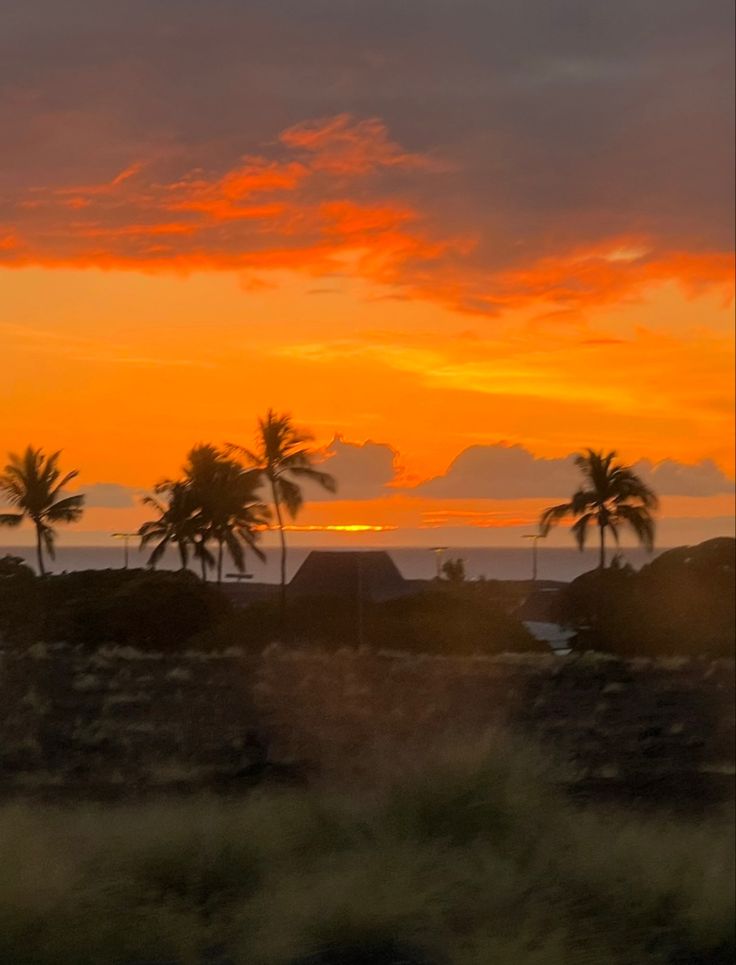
682 603
449 619
162 610
19 609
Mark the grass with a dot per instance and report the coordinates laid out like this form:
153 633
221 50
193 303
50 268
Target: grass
474 857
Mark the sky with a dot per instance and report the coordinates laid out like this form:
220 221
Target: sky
459 240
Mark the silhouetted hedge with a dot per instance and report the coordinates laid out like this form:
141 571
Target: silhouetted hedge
449 620
162 610
683 602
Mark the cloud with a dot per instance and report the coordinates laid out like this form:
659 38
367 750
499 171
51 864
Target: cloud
109 496
362 470
371 471
673 478
512 153
512 472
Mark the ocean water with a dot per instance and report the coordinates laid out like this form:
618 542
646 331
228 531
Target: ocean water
413 562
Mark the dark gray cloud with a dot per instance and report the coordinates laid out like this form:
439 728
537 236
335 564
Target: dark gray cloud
670 477
512 472
370 470
565 121
109 496
361 470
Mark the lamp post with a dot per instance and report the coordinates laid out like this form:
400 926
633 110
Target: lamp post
438 551
125 537
534 537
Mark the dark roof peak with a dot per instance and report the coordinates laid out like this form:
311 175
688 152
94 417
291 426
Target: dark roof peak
371 574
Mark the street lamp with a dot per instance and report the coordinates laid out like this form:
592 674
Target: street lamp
438 551
125 537
534 537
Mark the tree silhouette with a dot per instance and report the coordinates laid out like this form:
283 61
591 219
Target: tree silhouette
231 511
32 483
611 496
454 570
281 456
214 501
176 522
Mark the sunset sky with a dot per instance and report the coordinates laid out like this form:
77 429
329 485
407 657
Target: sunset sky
457 239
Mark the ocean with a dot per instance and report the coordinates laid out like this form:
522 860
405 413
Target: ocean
496 563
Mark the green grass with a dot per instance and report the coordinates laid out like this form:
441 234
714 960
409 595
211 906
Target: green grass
473 859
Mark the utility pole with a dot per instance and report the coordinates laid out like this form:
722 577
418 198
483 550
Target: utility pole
125 537
534 537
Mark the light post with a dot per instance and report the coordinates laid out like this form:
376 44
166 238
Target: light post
438 551
125 537
534 537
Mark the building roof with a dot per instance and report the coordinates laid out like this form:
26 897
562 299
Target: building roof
370 575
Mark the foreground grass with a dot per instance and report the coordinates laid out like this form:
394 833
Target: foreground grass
474 859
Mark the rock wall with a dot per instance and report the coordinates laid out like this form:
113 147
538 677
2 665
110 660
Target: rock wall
117 721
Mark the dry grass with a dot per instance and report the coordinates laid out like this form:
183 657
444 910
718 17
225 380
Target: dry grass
470 856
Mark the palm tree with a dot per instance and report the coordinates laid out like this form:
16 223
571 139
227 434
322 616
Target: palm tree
176 522
215 500
612 495
32 483
233 513
280 454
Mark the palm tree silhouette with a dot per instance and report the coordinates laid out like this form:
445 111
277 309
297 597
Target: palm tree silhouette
232 513
612 495
176 522
215 500
281 453
32 483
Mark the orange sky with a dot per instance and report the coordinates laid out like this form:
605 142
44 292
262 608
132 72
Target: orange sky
367 270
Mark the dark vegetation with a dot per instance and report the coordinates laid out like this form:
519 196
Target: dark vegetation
456 858
160 610
171 610
431 621
683 602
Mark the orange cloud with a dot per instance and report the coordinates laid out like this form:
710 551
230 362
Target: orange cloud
323 202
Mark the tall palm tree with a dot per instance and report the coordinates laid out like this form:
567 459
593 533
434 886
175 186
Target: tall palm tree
176 522
33 483
612 495
281 456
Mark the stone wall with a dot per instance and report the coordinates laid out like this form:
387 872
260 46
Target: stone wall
117 722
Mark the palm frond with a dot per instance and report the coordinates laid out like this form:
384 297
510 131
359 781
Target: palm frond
11 519
290 495
324 479
66 510
235 549
641 521
550 517
579 529
158 551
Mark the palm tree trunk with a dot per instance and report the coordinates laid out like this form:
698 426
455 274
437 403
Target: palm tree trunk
202 561
39 550
182 555
282 537
219 562
602 557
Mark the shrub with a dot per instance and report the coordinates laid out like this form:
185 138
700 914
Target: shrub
19 609
90 607
449 619
682 603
